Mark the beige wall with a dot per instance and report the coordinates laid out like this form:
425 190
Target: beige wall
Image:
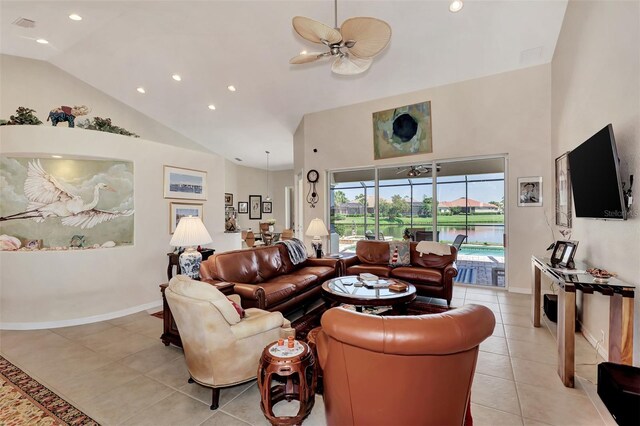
502 114
244 181
596 81
43 289
42 87
51 288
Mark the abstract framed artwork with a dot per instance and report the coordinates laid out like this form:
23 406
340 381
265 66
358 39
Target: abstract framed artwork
228 199
530 191
255 207
563 191
402 131
185 184
179 210
267 207
243 207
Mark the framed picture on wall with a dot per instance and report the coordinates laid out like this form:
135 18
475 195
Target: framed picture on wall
563 191
228 199
186 184
530 191
243 207
255 204
179 210
267 207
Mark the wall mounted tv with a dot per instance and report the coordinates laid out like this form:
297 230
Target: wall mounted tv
595 178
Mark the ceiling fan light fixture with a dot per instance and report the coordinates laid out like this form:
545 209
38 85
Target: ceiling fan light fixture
456 6
353 45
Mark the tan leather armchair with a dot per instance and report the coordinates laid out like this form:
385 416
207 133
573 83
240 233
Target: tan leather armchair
405 370
221 349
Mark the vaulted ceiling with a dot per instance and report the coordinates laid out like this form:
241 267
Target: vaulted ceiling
121 45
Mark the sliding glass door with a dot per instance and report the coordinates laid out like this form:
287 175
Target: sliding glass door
436 201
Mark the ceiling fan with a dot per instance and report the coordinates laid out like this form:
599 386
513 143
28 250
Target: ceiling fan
414 171
353 45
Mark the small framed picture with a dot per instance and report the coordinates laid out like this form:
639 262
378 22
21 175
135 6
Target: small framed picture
185 183
228 199
563 253
179 210
530 191
266 207
243 207
255 204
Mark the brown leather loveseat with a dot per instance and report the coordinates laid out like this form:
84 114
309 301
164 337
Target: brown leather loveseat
432 275
400 370
265 277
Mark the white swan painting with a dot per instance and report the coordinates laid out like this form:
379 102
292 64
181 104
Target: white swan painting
78 200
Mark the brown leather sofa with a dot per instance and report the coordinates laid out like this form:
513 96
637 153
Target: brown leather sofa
265 277
405 370
432 275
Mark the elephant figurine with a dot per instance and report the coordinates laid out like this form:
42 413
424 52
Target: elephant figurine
68 114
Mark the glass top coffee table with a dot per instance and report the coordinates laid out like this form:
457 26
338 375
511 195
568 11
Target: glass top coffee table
352 290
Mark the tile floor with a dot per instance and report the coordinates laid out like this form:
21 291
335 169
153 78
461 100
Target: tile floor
119 372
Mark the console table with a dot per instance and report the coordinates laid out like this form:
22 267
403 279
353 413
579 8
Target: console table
620 313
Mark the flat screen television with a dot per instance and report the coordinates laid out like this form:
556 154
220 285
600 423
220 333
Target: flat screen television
595 178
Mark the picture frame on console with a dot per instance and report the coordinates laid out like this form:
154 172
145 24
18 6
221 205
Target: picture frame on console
563 254
255 207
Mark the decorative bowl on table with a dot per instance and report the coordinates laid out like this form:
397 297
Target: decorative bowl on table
600 276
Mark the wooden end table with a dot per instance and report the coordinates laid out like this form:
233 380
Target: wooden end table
298 374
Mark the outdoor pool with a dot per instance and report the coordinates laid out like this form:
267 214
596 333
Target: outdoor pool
482 251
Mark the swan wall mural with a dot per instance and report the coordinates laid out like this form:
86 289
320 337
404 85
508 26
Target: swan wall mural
54 199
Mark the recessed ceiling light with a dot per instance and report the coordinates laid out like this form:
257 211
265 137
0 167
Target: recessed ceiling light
56 156
42 41
238 159
456 6
212 107
231 88
141 90
75 17
176 77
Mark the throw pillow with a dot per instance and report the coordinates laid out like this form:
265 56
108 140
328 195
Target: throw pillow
399 254
238 308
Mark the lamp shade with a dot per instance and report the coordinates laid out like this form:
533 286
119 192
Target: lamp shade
190 232
317 228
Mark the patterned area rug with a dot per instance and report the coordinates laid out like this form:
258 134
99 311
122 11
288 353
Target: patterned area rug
24 401
311 320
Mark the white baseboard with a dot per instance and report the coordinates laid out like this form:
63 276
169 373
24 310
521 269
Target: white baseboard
602 350
78 321
520 290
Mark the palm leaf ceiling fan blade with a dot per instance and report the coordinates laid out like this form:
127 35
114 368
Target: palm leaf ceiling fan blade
315 31
370 35
307 57
346 65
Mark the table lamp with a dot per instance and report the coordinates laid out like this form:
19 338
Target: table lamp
190 233
316 230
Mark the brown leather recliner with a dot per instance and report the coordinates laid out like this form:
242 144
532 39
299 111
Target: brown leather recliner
432 275
265 277
405 370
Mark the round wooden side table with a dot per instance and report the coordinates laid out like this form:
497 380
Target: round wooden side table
287 378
